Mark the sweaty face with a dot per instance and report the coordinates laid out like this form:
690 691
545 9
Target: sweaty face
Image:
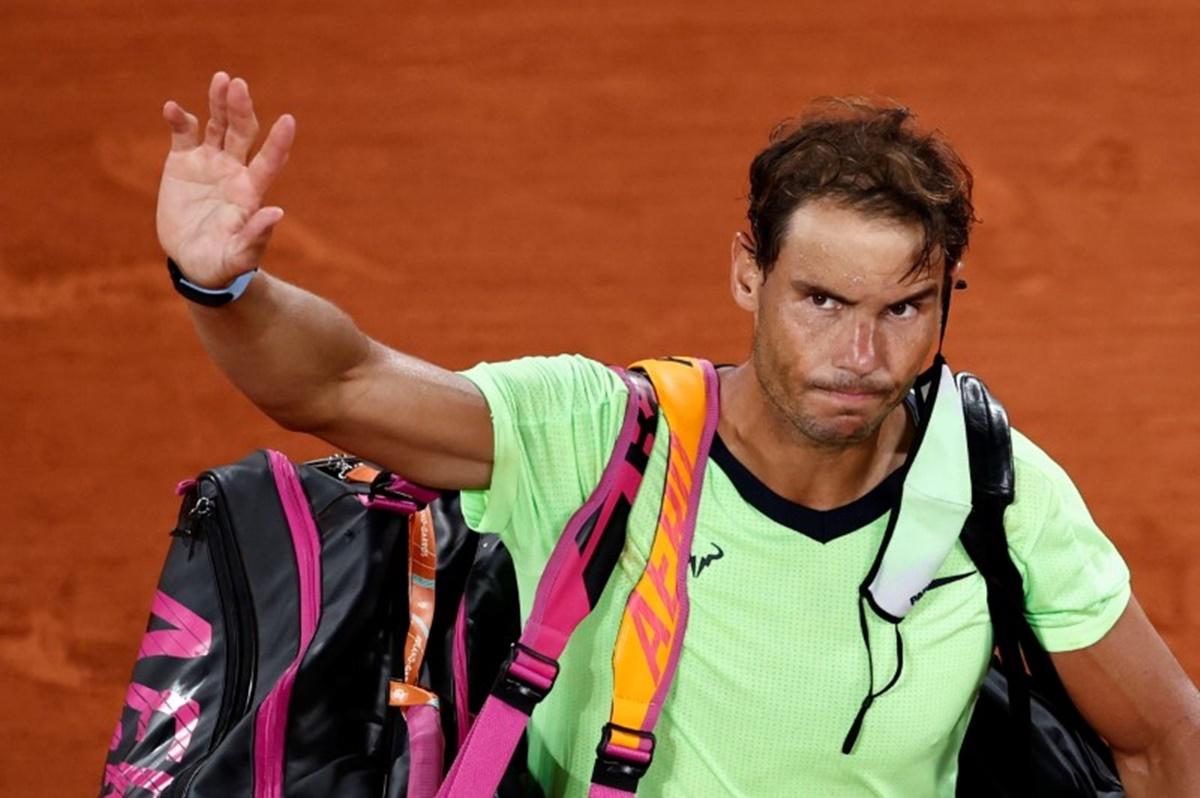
840 332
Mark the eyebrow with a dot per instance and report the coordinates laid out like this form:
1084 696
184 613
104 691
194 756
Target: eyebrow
812 288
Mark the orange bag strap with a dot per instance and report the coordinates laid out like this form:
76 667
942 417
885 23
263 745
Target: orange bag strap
652 629
422 579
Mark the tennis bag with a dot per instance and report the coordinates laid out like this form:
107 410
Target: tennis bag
331 629
280 615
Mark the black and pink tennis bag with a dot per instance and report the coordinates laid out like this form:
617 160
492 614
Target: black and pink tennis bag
328 629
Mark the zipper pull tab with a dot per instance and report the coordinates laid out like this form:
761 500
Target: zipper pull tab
202 509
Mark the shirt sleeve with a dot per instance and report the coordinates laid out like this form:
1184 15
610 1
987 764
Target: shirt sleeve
555 421
1076 583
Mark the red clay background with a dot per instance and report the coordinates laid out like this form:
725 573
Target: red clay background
478 181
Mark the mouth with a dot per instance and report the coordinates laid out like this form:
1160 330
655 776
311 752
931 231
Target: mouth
851 397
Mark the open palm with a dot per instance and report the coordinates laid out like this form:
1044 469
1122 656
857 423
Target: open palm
210 216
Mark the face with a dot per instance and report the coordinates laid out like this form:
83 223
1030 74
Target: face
840 333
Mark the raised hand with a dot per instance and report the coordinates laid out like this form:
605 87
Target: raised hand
210 215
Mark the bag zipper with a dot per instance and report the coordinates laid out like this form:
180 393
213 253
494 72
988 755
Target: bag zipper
270 719
210 516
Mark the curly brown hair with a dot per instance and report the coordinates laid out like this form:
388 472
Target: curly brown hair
868 155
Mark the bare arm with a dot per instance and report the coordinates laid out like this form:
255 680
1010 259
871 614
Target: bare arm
295 355
1135 694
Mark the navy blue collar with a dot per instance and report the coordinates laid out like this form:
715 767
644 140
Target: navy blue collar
820 525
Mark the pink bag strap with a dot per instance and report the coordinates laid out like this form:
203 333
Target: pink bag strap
571 584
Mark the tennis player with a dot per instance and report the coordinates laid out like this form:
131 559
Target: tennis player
858 224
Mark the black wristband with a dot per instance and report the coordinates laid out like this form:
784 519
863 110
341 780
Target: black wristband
210 297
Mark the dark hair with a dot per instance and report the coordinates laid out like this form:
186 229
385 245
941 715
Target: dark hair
867 155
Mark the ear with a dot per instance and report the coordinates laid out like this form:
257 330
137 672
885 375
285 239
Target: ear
955 274
745 275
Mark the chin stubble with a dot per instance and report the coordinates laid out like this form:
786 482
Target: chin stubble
812 428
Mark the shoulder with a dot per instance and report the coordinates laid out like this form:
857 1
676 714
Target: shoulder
1076 582
554 420
541 388
1035 470
1043 491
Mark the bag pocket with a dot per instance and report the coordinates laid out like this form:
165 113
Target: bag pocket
195 667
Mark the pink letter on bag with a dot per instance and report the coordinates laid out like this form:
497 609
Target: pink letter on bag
191 637
123 777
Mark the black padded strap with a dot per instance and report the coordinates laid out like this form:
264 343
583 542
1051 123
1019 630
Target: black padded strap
1026 665
989 441
989 445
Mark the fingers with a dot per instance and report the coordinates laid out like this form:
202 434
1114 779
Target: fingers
184 127
245 249
262 223
269 161
218 121
232 127
242 124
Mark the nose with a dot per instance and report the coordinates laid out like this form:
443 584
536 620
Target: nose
858 352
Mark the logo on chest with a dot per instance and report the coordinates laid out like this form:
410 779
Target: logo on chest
698 565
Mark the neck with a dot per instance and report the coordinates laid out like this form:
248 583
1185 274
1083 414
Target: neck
794 466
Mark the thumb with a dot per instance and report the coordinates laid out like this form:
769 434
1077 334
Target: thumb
246 248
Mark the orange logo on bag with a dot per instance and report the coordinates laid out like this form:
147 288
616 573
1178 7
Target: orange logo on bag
654 605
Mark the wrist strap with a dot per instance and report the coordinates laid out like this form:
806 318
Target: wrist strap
211 297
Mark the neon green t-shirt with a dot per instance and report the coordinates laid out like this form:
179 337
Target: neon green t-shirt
773 667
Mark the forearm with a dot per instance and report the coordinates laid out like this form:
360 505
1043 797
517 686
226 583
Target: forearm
1170 768
283 347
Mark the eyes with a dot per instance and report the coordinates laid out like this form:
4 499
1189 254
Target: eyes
900 310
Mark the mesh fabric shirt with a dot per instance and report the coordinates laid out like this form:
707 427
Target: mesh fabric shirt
773 667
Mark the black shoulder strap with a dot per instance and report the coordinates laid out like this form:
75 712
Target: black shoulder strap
989 447
1025 664
989 441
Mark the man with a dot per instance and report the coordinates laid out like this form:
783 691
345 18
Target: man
858 225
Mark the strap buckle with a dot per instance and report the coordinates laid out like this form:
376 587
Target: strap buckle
381 487
391 492
523 683
619 766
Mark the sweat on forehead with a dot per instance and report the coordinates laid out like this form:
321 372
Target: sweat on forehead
827 240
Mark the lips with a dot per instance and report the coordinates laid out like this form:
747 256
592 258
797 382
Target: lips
851 397
854 394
